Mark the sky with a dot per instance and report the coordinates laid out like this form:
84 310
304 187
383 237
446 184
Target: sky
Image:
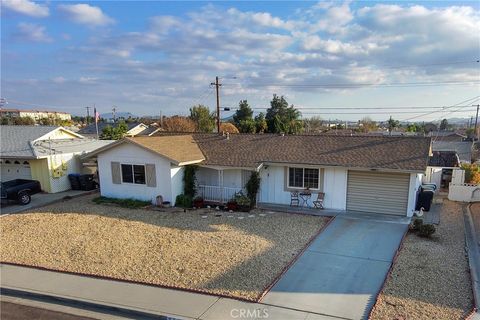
412 60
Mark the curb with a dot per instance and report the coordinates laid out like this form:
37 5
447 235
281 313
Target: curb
85 305
471 244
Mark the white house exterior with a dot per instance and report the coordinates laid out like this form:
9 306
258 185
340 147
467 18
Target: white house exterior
372 174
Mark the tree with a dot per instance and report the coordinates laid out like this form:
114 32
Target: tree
204 120
392 124
247 126
23 121
367 125
260 123
243 113
114 133
228 127
313 124
444 125
282 118
179 124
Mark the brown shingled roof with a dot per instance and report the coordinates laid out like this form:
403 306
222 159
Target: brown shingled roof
180 149
248 150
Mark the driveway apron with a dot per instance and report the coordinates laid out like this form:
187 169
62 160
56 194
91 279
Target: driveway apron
342 271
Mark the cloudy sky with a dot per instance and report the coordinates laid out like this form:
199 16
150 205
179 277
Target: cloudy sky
333 59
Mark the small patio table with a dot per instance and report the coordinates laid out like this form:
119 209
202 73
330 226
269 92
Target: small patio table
305 196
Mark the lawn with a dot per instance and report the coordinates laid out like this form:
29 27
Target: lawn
430 278
236 254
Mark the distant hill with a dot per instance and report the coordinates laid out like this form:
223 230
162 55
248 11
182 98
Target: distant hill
118 115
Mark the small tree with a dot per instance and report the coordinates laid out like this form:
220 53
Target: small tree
392 124
114 133
244 113
260 123
247 126
179 124
313 124
252 186
189 181
282 118
204 120
368 125
228 127
444 125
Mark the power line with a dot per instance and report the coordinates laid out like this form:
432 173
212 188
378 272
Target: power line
361 108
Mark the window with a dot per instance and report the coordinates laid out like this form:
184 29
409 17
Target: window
132 173
303 178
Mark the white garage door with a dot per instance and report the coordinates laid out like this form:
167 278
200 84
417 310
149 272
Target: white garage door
378 192
15 169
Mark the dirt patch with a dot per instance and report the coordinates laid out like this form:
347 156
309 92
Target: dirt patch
430 278
235 254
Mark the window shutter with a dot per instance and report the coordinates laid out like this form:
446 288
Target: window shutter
116 177
151 175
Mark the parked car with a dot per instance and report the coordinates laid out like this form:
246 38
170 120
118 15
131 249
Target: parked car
19 190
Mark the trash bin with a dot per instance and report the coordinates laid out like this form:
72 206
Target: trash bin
425 198
86 182
74 181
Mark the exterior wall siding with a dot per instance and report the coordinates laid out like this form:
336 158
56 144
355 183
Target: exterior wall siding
176 174
128 153
40 172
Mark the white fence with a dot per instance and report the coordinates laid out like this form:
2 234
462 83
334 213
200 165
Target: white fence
216 193
464 192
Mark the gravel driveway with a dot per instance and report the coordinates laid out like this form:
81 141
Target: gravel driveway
430 279
237 254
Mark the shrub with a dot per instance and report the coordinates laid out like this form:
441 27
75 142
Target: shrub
125 203
416 224
426 230
183 201
241 199
189 180
252 186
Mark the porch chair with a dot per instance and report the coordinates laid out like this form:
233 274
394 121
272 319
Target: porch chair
294 199
319 202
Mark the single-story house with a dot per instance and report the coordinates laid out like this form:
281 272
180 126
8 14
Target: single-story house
359 173
440 168
463 149
44 153
134 128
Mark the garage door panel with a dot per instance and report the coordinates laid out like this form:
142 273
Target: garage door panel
378 192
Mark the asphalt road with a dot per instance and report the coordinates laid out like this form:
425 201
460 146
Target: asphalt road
13 311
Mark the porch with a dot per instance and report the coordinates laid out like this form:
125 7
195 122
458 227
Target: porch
217 194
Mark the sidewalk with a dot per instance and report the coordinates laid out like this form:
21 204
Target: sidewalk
141 298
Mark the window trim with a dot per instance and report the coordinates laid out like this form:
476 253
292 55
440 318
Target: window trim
319 170
133 174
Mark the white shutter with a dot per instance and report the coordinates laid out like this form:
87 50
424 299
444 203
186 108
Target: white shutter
116 175
151 175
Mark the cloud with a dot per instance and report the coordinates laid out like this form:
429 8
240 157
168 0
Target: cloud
30 32
86 14
26 7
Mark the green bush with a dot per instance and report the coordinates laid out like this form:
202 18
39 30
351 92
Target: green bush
252 186
183 201
125 203
241 199
416 224
189 180
426 230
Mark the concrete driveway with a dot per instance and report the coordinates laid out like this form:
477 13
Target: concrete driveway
342 271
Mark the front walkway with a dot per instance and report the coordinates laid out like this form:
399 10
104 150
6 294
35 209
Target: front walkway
343 270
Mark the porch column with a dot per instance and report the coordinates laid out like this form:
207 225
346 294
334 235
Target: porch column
220 184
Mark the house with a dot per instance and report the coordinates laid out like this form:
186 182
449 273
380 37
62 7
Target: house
44 153
447 136
463 149
440 167
34 114
361 173
134 128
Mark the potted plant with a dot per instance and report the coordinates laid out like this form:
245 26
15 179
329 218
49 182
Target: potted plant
243 202
198 202
232 205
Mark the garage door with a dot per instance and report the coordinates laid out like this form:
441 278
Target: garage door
15 169
378 192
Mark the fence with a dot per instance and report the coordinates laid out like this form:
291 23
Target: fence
216 193
464 192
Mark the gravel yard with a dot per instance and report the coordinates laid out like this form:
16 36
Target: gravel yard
430 278
237 254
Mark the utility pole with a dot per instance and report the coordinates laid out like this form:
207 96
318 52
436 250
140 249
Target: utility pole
217 89
114 108
88 114
476 121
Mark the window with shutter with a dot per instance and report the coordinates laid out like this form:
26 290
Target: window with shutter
151 175
116 177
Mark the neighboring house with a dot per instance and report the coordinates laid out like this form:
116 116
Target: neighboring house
150 131
34 114
440 168
447 136
358 173
134 128
43 153
462 148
